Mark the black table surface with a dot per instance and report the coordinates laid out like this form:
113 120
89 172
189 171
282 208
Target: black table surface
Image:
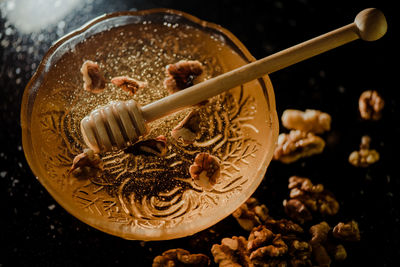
37 231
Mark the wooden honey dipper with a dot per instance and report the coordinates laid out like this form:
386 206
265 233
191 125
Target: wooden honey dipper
120 124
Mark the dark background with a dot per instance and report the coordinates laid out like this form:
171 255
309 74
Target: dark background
36 231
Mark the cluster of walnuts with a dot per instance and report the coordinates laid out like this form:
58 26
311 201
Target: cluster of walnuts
282 242
303 140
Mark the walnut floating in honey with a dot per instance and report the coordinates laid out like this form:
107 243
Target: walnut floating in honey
371 105
93 78
311 120
347 231
187 130
180 257
365 156
86 163
127 84
183 74
156 147
205 170
296 145
232 252
251 214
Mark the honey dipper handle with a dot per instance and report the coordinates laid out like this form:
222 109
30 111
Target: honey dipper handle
369 24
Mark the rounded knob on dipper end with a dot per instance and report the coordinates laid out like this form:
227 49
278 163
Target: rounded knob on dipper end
371 24
115 126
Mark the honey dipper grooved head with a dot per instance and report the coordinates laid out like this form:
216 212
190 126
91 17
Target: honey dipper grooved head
115 126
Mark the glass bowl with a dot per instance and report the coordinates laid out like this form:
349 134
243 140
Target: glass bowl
146 197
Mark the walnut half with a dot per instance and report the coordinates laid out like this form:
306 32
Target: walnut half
87 163
347 231
232 252
311 120
205 170
156 147
296 145
180 257
182 74
187 130
127 84
251 214
365 156
93 78
371 105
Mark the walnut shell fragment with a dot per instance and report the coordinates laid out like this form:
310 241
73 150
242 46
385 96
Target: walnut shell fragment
93 78
188 129
370 105
311 120
365 156
155 147
128 84
205 170
296 145
183 74
180 257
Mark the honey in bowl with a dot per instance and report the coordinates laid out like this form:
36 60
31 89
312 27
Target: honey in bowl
148 197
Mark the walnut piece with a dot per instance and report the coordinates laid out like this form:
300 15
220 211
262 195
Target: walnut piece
338 252
319 232
320 255
307 198
86 163
205 170
300 253
180 257
182 74
187 130
296 145
365 156
347 231
304 185
251 214
286 227
311 120
264 243
93 78
155 147
127 84
296 210
232 252
370 105
258 236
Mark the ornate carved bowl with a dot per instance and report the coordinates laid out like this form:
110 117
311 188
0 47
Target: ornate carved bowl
141 196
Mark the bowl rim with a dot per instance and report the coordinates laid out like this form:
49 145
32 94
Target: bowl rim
28 97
